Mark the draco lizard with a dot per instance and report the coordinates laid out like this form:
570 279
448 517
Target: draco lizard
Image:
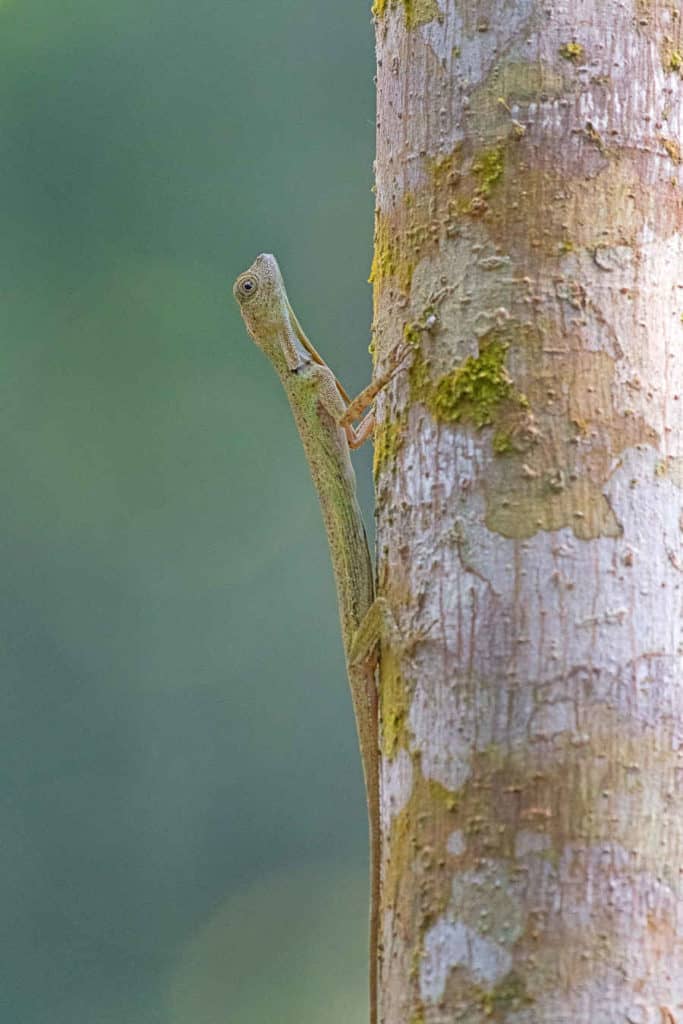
324 416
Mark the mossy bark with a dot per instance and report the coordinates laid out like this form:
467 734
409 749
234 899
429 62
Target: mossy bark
528 249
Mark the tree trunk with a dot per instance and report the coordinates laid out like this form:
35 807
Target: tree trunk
529 467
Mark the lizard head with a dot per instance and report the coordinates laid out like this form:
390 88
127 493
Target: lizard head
269 318
260 292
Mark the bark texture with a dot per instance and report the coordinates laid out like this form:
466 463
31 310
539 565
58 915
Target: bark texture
529 467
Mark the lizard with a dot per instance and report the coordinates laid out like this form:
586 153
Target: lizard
324 415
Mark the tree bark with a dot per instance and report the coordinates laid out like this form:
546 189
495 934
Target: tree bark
529 466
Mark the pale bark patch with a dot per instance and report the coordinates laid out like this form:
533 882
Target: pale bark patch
443 739
397 786
528 843
456 843
450 944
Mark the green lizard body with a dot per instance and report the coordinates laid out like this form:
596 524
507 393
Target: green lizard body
323 414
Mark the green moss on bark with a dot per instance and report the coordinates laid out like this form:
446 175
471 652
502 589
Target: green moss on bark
673 60
392 257
478 393
488 169
395 701
416 12
573 52
473 392
388 442
508 995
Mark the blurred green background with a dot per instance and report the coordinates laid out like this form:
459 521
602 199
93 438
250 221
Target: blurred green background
183 830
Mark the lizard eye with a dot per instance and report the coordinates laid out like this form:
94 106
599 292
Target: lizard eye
247 286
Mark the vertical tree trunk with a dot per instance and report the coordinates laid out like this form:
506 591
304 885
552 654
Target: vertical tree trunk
529 468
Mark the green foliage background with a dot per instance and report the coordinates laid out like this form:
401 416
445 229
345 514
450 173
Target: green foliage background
183 828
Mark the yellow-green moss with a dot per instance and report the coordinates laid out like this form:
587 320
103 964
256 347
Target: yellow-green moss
445 171
395 704
502 443
388 442
440 794
416 12
389 258
488 169
673 60
479 392
412 334
473 392
572 51
508 995
673 149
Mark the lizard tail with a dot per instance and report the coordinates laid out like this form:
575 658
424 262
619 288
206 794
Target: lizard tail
375 878
368 733
374 924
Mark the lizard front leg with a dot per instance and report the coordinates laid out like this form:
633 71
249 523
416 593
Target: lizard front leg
357 436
